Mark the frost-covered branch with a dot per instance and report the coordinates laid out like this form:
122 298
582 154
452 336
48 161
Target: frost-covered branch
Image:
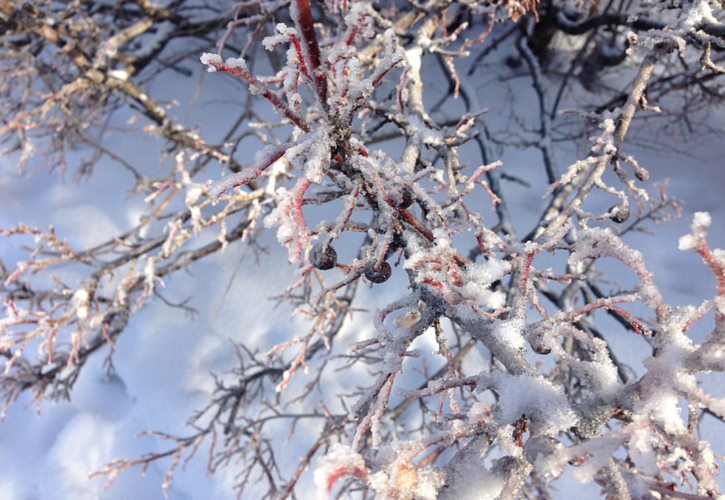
488 367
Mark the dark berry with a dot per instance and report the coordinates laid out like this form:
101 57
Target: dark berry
620 213
323 256
405 198
378 274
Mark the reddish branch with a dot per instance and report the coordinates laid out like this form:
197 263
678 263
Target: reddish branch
716 266
264 91
302 16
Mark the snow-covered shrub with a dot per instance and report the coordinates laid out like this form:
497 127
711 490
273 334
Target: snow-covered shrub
522 381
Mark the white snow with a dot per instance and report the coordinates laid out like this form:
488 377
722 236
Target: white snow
211 61
543 403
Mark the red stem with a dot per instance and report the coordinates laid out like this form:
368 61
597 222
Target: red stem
718 270
301 57
266 93
302 16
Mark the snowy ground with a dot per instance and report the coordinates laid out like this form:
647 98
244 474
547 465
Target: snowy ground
163 360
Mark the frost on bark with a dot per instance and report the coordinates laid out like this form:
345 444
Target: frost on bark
522 383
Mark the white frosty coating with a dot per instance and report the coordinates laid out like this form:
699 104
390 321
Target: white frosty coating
150 278
429 482
120 74
641 449
420 132
543 403
719 255
478 413
510 333
400 479
571 173
271 42
357 17
263 159
471 480
80 303
471 285
600 456
350 77
506 442
663 374
700 12
175 237
237 62
340 459
597 242
211 61
687 242
605 141
601 372
312 154
292 232
391 361
193 192
700 222
418 484
553 459
318 155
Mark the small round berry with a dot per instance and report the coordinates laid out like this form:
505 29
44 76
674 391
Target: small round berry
620 213
378 274
405 198
323 256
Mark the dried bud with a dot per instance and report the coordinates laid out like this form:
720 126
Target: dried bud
541 348
378 274
323 256
620 213
641 174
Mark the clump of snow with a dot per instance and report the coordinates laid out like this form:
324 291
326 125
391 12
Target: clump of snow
437 266
80 303
471 480
601 372
212 61
402 480
358 19
661 406
285 33
237 62
510 333
701 221
699 12
543 403
478 413
338 462
641 447
599 454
